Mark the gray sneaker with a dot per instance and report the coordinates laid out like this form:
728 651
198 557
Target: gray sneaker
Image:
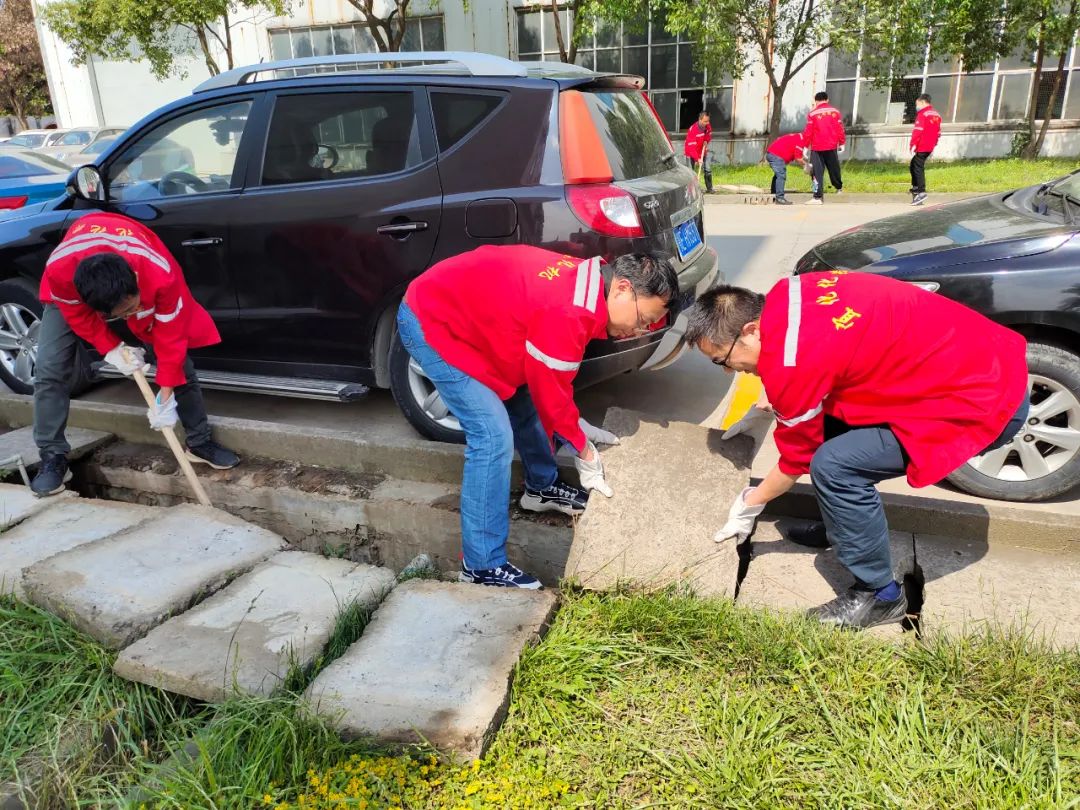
919 199
51 475
858 609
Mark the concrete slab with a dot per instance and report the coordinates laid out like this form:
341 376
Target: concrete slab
245 637
970 586
17 503
20 442
674 484
434 664
65 524
117 589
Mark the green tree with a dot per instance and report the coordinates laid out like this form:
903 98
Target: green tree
152 30
23 88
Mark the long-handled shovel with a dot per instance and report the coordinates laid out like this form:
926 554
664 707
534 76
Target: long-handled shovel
173 442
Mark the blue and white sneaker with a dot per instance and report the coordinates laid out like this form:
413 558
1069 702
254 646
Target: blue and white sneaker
559 497
505 576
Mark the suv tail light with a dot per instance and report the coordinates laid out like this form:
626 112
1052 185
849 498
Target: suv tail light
606 209
8 203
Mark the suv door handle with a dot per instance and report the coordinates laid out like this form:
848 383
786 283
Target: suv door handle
399 228
209 241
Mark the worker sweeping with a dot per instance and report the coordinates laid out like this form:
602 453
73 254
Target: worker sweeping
110 268
501 331
910 381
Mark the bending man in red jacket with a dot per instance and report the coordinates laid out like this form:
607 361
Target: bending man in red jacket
111 268
696 148
825 138
924 137
869 378
784 150
501 332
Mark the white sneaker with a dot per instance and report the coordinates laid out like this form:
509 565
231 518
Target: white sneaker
814 201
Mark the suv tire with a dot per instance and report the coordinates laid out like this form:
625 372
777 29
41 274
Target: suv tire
20 320
417 398
1054 373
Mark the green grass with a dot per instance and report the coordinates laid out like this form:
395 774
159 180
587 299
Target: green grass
861 176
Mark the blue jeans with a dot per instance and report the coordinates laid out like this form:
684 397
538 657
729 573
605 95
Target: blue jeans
493 429
779 167
844 472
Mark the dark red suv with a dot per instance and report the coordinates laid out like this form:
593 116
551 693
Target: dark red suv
301 198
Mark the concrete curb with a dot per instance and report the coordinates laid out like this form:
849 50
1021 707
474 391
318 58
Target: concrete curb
798 197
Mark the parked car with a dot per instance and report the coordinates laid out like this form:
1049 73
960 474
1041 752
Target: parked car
28 139
301 202
75 140
1015 257
89 153
28 177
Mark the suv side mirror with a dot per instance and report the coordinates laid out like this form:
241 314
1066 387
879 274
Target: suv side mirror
86 184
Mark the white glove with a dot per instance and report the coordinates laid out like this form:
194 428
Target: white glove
597 435
163 415
741 519
754 418
592 473
127 360
840 149
912 150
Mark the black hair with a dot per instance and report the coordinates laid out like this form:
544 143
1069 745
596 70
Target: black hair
702 114
649 274
104 280
721 313
821 96
923 97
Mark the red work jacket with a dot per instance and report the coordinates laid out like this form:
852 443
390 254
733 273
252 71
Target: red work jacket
697 138
788 147
514 315
927 131
871 350
824 128
170 320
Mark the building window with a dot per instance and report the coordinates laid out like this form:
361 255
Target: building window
421 34
677 86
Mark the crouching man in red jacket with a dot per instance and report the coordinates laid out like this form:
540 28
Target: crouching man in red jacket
501 332
869 378
111 268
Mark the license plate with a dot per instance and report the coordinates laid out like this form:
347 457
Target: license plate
687 238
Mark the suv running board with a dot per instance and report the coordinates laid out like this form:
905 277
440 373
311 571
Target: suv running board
262 384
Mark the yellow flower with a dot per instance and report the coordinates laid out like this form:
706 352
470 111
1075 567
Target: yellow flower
268 799
473 787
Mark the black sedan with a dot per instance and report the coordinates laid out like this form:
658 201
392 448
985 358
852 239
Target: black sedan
1014 257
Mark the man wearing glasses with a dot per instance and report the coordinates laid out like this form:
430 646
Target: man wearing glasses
869 378
501 332
109 268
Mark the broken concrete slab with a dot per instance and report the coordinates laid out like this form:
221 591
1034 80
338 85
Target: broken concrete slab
20 442
17 503
433 665
65 524
117 589
971 586
244 638
674 484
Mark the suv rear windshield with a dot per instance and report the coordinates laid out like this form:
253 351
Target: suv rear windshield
635 143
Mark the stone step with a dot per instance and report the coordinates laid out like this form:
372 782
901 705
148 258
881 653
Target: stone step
17 503
245 637
61 524
674 483
433 665
20 442
116 589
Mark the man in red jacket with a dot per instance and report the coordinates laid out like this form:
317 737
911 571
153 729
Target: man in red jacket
696 148
111 268
784 150
825 138
924 137
501 331
917 384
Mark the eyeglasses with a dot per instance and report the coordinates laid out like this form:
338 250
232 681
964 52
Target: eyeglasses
123 316
641 328
724 362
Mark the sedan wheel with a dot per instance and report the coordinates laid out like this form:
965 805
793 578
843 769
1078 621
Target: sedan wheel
428 398
19 341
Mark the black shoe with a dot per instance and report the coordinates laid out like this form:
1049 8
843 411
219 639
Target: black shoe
213 454
859 609
51 475
559 497
812 536
782 201
919 198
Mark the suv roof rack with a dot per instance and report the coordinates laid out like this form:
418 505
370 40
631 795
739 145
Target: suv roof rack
475 64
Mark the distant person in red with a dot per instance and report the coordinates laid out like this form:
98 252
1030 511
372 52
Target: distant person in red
109 268
696 148
784 150
825 139
924 138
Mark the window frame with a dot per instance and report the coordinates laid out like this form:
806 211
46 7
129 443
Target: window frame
432 91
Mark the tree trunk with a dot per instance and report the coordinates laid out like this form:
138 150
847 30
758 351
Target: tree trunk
1036 147
1033 99
775 115
204 44
558 30
228 40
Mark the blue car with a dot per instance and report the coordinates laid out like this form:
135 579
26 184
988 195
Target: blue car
28 177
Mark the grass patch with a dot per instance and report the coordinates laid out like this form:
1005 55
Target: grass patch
863 176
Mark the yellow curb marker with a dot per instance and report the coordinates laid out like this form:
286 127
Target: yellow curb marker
748 390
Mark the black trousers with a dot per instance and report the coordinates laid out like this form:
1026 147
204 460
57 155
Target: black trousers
827 159
918 172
